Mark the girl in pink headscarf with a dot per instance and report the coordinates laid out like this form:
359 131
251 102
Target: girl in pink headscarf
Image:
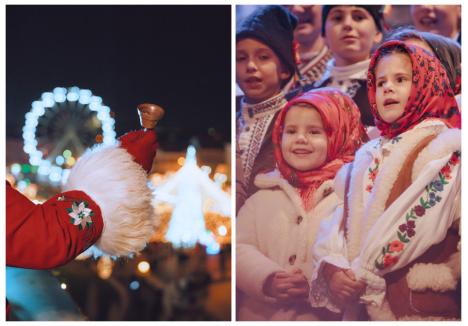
397 232
314 135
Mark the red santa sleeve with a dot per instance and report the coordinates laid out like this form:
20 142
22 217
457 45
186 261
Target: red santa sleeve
50 234
106 203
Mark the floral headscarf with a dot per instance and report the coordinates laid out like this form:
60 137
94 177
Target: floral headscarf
345 134
431 95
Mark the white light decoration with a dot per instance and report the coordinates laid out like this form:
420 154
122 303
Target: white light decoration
63 286
134 285
187 191
222 231
15 168
51 167
143 267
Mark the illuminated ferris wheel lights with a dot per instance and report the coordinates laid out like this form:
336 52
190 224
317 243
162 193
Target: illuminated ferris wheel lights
47 100
59 160
15 168
60 98
94 106
55 177
60 90
60 94
29 148
22 185
65 174
35 160
67 153
31 123
71 161
85 92
84 100
96 99
44 168
72 97
29 136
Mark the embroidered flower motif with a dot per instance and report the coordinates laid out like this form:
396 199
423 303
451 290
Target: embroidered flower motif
389 260
446 171
438 185
372 175
389 255
455 159
419 210
396 246
80 214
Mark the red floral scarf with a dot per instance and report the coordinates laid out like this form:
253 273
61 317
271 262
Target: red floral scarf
342 122
431 95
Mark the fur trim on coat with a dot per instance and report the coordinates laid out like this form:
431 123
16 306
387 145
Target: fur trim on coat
119 186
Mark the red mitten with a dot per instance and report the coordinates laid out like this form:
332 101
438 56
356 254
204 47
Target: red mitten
142 145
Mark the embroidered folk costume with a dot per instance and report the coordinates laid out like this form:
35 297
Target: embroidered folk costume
277 225
399 233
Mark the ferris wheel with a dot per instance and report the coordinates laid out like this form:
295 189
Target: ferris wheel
60 126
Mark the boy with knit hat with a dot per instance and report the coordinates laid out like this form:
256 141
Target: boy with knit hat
265 63
350 32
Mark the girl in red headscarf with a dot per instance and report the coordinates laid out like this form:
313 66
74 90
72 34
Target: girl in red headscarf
314 135
397 233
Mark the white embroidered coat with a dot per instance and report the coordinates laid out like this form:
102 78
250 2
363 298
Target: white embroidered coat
372 230
275 233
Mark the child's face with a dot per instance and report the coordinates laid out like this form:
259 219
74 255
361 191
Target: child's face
350 33
259 72
393 78
304 141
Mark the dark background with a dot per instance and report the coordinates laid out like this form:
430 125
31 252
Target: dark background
174 56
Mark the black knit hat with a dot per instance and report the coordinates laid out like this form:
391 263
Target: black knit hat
376 11
273 26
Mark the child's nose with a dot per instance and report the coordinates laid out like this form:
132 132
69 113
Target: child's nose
347 22
251 65
301 138
388 87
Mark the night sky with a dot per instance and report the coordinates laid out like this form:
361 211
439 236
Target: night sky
176 56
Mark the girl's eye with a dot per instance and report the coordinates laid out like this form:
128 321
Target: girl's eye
336 18
314 132
401 79
290 131
240 58
380 84
264 56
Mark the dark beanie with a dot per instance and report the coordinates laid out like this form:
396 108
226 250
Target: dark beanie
376 11
273 26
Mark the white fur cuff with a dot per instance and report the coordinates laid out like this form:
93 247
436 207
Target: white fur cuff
119 186
437 277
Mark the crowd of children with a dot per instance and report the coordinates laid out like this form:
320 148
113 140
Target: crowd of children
348 183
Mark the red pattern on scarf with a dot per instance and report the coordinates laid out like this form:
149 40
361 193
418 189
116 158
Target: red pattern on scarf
431 95
345 133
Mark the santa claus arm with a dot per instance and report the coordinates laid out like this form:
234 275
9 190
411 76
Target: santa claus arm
106 202
51 234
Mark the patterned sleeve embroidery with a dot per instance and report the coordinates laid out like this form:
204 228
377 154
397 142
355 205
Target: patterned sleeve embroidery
391 252
80 214
372 175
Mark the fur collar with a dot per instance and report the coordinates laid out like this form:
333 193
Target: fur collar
364 215
274 179
446 142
